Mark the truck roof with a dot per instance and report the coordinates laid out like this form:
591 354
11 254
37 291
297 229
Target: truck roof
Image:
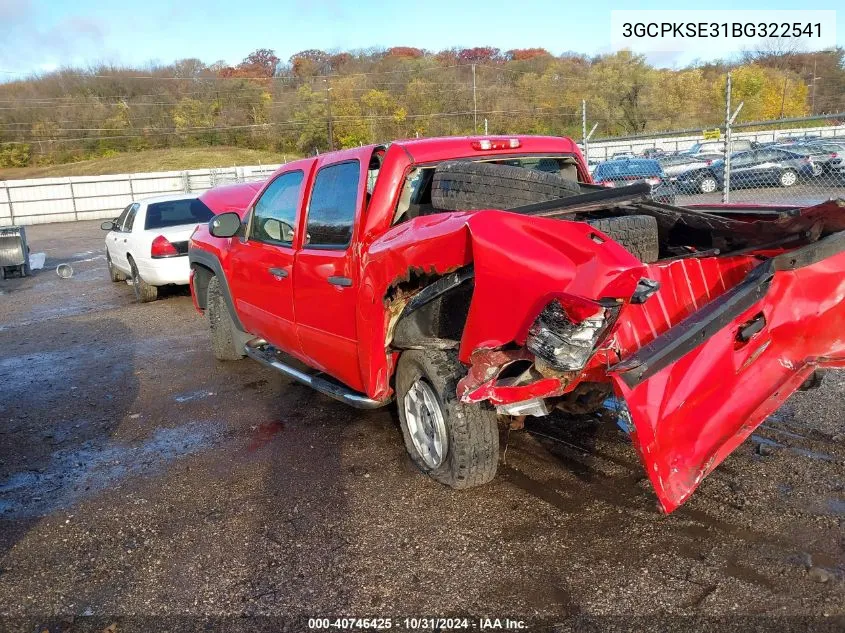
427 149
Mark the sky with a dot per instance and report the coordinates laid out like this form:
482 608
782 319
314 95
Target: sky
41 35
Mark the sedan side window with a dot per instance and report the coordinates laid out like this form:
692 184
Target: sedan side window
274 215
118 223
130 218
743 160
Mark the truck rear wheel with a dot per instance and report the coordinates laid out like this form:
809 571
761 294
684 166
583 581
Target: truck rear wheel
227 341
464 185
454 443
637 233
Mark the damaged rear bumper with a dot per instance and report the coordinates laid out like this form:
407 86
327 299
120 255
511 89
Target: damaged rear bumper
697 390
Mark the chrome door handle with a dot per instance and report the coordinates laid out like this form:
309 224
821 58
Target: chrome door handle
343 282
278 273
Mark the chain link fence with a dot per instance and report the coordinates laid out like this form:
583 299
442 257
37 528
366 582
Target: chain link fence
794 162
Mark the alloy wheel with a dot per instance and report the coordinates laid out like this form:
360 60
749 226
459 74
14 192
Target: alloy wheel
426 425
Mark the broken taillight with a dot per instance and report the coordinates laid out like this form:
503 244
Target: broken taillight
566 338
490 143
162 247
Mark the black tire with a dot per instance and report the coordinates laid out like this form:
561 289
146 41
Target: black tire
472 454
227 341
464 185
114 273
144 292
637 233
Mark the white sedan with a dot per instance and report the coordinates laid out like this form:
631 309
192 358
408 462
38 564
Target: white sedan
148 242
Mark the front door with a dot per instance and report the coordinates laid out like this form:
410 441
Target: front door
261 265
122 236
326 267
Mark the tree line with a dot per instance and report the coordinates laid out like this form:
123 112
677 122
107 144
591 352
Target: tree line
379 95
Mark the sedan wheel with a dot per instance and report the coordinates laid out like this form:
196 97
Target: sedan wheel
114 273
788 178
708 185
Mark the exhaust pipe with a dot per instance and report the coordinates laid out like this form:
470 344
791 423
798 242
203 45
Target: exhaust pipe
260 350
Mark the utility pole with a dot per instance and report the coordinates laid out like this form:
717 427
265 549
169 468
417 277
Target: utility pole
783 98
726 188
474 104
485 127
329 114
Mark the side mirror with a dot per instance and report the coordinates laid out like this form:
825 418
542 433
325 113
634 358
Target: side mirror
225 225
108 226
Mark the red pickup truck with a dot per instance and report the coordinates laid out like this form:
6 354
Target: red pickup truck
473 278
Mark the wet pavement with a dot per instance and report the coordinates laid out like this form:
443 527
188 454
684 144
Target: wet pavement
146 485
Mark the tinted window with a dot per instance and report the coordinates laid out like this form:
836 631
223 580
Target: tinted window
627 168
274 216
176 212
130 219
333 203
742 159
118 223
767 155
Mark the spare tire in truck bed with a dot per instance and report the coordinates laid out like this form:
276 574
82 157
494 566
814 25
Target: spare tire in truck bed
465 185
637 233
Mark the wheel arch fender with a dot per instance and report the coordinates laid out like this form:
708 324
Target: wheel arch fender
205 265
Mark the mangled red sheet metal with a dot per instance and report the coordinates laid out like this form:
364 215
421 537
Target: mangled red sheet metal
715 347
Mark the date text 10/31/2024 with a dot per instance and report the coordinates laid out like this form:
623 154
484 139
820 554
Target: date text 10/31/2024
418 624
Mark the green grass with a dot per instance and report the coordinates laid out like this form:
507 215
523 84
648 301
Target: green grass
152 160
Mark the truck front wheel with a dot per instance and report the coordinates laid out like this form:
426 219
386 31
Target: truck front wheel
454 443
227 341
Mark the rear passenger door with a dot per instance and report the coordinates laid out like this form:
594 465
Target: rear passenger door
766 166
742 168
326 269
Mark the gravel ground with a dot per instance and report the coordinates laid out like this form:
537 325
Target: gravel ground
145 485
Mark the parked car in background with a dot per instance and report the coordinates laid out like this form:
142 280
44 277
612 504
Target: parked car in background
626 171
762 167
653 152
234 197
718 147
798 138
148 242
675 164
826 158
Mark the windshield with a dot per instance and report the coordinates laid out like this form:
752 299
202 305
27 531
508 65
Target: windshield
627 169
176 212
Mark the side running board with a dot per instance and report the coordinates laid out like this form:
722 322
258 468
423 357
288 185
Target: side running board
264 353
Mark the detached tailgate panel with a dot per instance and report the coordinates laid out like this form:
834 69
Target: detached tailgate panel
697 391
